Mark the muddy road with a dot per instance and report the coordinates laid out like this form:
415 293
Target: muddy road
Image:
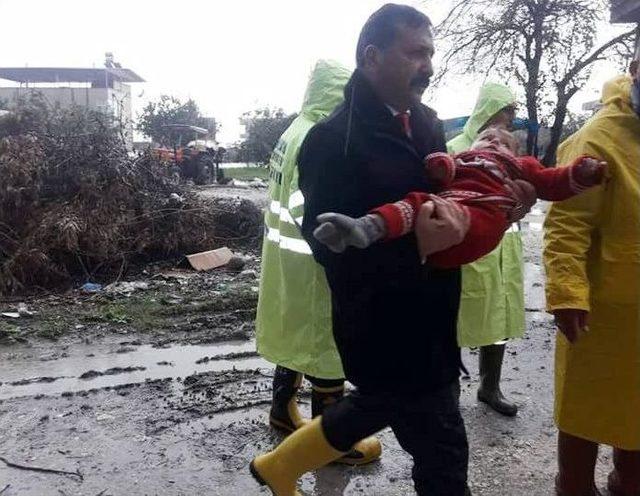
155 389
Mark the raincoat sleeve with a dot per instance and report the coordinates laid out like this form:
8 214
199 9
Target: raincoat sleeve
569 229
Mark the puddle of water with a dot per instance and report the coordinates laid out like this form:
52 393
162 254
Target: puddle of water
183 359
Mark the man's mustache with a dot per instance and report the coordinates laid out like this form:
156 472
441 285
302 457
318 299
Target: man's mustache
420 81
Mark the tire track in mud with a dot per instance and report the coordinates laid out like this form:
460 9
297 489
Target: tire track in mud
207 394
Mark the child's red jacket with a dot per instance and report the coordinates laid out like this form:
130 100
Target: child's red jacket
480 188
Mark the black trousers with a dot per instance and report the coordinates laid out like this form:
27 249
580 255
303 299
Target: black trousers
428 426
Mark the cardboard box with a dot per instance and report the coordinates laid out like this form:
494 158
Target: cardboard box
212 259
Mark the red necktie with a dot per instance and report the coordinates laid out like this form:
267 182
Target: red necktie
403 117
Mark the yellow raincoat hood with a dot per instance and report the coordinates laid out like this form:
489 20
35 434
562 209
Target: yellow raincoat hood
617 92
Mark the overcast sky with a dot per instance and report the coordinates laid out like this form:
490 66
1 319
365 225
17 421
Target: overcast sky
228 55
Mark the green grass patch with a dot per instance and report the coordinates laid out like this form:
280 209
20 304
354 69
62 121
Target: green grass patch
237 299
53 329
141 313
247 173
9 331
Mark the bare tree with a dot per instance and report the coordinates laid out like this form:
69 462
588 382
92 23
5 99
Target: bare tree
548 46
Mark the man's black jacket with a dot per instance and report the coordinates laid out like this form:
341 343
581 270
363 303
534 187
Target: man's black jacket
394 320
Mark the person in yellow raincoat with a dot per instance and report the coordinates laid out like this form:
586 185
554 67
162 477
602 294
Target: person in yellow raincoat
592 260
492 299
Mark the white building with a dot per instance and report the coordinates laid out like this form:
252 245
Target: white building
105 89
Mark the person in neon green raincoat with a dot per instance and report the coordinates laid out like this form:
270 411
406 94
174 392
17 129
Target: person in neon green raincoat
492 299
293 323
592 262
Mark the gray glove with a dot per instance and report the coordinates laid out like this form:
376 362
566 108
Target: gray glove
338 231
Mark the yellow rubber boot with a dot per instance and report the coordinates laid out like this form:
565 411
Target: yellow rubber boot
304 450
365 451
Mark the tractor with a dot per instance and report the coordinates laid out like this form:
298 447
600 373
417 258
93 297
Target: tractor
190 155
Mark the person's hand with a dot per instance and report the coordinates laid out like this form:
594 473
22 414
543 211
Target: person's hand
441 224
571 321
338 231
590 171
525 195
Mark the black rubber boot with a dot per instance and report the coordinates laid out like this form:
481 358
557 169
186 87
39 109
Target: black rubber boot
330 392
284 414
490 370
322 397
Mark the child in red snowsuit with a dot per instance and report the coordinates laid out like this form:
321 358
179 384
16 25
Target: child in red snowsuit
475 180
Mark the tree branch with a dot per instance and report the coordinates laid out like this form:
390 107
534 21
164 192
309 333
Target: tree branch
596 55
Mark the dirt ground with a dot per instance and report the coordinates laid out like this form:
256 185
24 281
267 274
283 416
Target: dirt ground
156 389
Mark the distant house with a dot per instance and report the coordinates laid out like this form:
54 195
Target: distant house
106 89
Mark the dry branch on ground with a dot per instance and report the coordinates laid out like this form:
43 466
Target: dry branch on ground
74 203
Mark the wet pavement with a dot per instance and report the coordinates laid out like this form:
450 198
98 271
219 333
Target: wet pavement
182 409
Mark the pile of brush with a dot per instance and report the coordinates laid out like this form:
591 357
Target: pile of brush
75 204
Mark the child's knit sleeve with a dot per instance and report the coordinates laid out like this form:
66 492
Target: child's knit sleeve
553 183
400 217
440 169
